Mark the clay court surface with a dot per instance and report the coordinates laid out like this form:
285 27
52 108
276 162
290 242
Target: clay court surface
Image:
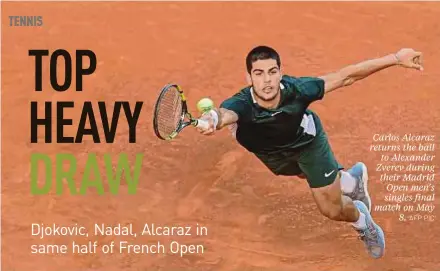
255 221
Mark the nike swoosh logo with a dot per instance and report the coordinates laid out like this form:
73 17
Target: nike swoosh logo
328 174
276 113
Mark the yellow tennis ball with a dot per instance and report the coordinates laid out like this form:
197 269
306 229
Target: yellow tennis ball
205 105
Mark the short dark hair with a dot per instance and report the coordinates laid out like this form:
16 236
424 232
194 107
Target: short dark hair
260 53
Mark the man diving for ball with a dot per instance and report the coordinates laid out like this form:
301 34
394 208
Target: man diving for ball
271 119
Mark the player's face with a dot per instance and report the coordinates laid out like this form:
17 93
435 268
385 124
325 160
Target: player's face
265 78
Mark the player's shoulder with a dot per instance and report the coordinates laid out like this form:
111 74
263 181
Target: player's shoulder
289 79
308 87
243 95
298 81
290 85
240 102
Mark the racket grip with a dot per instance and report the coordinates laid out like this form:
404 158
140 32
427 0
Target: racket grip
202 124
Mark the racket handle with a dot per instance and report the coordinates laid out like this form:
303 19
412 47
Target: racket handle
202 124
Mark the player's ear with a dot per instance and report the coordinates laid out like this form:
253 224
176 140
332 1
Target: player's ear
248 79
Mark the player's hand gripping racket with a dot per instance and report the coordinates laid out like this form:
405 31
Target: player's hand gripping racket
171 113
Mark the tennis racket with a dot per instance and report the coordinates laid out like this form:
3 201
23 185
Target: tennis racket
171 114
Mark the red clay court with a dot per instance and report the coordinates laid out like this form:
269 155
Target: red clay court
255 221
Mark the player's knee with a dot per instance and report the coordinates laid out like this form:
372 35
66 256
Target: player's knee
329 200
331 211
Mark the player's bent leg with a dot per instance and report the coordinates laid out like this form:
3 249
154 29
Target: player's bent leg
336 206
333 204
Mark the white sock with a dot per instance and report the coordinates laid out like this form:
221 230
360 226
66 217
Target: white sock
361 223
348 182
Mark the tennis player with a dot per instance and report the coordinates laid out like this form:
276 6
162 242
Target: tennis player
270 118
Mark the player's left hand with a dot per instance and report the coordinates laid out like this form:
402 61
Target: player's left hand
409 58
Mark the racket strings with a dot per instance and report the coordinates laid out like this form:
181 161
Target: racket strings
169 112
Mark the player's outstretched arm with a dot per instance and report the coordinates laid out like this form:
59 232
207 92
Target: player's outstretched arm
223 117
348 75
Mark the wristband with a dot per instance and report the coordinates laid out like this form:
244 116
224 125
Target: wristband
214 116
397 58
